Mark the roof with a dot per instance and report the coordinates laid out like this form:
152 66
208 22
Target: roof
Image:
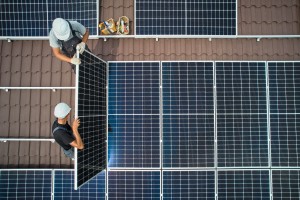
28 113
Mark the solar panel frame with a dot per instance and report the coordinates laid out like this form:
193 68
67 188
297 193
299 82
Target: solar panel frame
100 105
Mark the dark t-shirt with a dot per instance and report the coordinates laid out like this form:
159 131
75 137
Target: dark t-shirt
63 137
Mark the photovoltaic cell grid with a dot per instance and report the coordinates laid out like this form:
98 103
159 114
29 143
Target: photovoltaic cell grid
286 184
243 185
134 139
64 187
189 17
188 114
242 130
22 18
134 185
92 114
284 90
25 184
189 185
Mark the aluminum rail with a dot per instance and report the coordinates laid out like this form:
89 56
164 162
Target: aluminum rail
37 88
26 140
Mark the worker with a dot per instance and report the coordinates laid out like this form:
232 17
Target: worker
64 37
64 135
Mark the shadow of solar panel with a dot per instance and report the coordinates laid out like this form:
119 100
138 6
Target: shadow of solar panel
188 141
92 113
25 184
134 185
64 187
243 184
189 185
134 87
187 87
285 140
284 87
134 141
285 184
23 18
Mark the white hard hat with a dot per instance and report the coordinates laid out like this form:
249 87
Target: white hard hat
61 110
61 29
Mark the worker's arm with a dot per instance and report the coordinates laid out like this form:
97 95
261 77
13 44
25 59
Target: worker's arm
77 143
60 56
85 37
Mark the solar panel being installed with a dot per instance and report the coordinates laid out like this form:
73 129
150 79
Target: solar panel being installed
34 18
91 79
284 90
25 184
188 17
242 127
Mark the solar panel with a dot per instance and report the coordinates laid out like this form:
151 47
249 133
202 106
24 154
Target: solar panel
243 184
91 80
25 184
64 186
242 126
188 17
34 18
189 185
285 184
134 185
134 141
134 87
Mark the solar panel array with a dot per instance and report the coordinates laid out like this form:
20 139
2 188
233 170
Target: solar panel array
185 17
34 18
205 115
92 112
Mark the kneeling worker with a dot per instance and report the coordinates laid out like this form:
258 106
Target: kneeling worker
63 134
64 37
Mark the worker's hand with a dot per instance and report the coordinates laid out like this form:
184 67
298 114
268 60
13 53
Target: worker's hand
76 123
81 47
75 61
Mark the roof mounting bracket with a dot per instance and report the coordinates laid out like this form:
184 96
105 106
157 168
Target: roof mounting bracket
105 39
9 40
5 89
210 39
53 90
258 39
156 39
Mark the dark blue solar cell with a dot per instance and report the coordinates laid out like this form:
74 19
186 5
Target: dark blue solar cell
134 88
285 140
64 187
285 184
242 140
284 87
134 141
243 185
188 141
189 185
187 87
134 185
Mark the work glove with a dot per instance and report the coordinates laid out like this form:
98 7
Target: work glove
81 47
75 61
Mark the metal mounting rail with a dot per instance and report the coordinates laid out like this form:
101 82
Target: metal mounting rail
26 140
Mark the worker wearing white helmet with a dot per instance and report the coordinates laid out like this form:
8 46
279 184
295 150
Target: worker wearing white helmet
65 135
65 36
